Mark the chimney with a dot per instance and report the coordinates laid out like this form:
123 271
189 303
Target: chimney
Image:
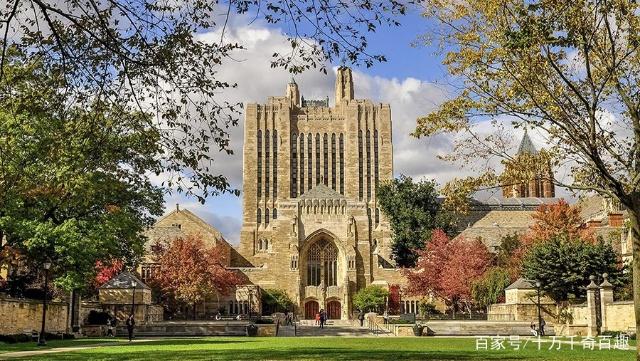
344 85
616 219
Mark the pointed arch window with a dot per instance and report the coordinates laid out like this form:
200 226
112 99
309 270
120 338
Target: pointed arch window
266 216
333 162
275 164
309 162
317 158
360 168
267 151
301 164
275 213
322 264
341 164
259 175
259 216
325 151
294 166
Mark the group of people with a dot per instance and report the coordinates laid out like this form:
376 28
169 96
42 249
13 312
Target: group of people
130 323
321 318
538 331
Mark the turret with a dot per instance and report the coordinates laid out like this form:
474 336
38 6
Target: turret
293 93
344 85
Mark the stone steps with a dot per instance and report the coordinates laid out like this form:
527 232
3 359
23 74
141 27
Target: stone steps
332 330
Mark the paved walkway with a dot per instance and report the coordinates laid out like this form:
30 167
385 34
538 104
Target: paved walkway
16 354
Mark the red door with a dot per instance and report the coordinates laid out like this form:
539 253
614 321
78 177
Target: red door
333 310
311 308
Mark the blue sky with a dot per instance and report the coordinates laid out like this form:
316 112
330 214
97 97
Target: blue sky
412 80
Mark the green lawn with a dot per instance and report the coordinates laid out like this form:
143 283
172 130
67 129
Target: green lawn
324 348
30 346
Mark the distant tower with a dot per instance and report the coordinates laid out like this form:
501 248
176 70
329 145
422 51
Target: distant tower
344 85
540 187
293 93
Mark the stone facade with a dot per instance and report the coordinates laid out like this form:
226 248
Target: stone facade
311 222
20 316
539 187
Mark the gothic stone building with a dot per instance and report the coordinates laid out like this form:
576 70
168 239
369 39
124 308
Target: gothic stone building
311 222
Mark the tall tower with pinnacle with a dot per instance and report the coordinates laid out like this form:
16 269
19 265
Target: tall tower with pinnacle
344 85
541 186
293 92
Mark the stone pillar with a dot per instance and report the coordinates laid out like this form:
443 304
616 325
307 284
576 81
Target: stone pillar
606 298
592 327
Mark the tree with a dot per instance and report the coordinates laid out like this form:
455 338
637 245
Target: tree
569 69
489 288
563 265
370 298
552 220
414 211
447 268
105 271
75 183
276 300
189 272
152 55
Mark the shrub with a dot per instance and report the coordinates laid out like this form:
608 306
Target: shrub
370 298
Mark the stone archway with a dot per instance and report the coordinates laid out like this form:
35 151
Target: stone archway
322 264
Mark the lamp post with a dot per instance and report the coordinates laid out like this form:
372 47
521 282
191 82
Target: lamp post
538 284
133 296
41 339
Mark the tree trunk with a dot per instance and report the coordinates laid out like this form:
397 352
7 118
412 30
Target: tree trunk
634 218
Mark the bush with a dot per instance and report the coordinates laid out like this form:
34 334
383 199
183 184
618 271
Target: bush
98 318
615 334
275 300
370 298
15 338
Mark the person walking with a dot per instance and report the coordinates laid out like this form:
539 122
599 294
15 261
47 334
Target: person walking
131 323
385 317
322 318
318 318
542 324
110 322
361 318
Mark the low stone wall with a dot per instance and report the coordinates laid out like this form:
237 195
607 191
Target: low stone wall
620 316
525 312
470 328
20 315
194 328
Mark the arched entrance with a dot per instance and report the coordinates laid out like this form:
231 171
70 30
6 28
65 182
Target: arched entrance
333 310
311 308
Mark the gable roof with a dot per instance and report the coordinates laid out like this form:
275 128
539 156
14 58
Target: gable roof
124 280
522 284
157 230
526 145
321 191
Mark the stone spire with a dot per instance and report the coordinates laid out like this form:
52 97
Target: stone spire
293 93
526 145
344 85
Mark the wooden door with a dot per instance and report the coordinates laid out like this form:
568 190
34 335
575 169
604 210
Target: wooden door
311 308
333 310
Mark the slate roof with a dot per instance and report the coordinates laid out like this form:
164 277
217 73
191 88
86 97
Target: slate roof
124 280
524 203
321 191
526 145
522 284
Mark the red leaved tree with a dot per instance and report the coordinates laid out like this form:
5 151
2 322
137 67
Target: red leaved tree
106 271
189 271
447 268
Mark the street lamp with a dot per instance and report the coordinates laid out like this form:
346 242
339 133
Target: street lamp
538 284
133 296
41 340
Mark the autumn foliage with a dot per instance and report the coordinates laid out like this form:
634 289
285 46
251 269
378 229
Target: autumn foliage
446 268
189 271
552 220
106 271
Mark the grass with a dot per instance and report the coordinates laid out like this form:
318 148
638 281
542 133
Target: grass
31 346
322 349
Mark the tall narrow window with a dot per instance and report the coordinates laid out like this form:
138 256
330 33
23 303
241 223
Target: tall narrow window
341 164
267 173
333 161
259 216
309 161
294 166
325 151
317 158
301 164
377 216
368 165
360 174
375 159
259 163
275 164
275 213
266 216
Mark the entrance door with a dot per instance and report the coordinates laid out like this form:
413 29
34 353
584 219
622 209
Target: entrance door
311 308
333 310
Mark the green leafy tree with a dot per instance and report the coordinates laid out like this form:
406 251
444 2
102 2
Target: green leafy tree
370 298
276 300
570 69
489 288
74 182
563 265
414 211
153 55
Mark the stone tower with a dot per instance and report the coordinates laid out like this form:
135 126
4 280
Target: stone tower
311 222
541 186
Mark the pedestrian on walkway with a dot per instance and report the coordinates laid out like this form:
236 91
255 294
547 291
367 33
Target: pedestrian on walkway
323 317
131 323
110 323
361 318
318 318
385 317
542 324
